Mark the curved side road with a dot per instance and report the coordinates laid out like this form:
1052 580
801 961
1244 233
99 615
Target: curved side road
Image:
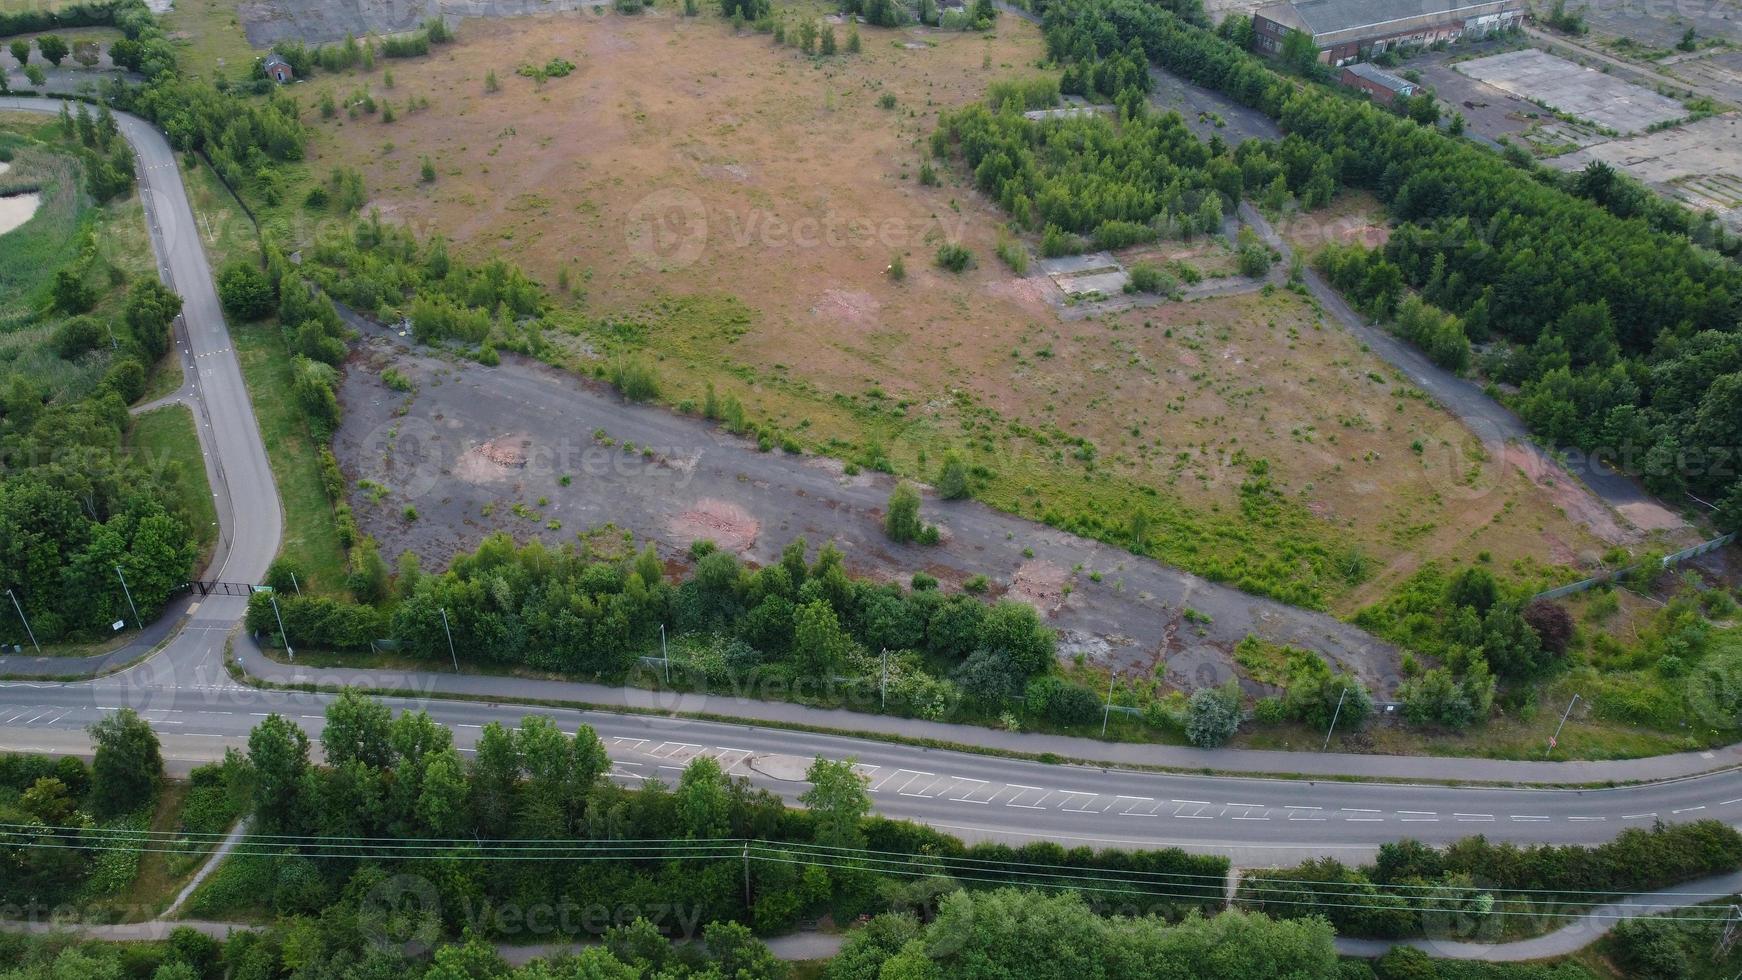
249 515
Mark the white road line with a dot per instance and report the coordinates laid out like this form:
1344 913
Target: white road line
1587 818
1728 802
1689 809
1470 817
1638 816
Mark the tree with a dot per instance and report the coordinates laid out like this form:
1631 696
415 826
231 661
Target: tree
151 308
128 764
358 727
278 755
20 47
704 800
818 641
38 78
53 47
70 292
428 171
495 780
1213 715
245 291
838 800
1648 949
901 521
1299 52
953 480
1551 623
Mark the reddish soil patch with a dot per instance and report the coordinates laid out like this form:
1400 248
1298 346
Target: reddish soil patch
726 524
1041 584
1573 499
492 460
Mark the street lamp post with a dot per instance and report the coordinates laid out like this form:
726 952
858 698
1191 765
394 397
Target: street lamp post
1107 709
282 635
450 633
1554 739
129 592
883 683
1334 716
664 655
27 630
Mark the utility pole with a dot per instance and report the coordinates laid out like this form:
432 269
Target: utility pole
282 635
294 584
27 630
746 875
883 684
665 658
1107 709
1554 739
1334 716
136 620
450 634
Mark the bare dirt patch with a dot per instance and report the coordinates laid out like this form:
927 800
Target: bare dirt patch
492 461
727 525
1041 585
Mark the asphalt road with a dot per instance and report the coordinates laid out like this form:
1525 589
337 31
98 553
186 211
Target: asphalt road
1256 821
198 710
249 516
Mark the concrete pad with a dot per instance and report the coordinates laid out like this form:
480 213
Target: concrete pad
1699 163
1110 283
1574 89
1067 265
1068 112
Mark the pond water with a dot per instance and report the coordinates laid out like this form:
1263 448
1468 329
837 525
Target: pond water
16 210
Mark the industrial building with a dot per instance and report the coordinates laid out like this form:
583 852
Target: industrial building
1351 30
1383 86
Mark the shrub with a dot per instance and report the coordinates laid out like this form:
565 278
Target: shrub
1147 277
1213 715
953 479
635 379
901 521
245 292
953 257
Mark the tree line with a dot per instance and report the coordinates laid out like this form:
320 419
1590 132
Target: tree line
388 777
799 624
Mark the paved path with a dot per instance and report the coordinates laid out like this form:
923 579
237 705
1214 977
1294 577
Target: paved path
1570 938
236 835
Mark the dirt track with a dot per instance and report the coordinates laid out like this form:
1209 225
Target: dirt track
477 449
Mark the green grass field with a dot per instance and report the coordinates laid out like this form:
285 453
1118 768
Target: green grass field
166 441
309 531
